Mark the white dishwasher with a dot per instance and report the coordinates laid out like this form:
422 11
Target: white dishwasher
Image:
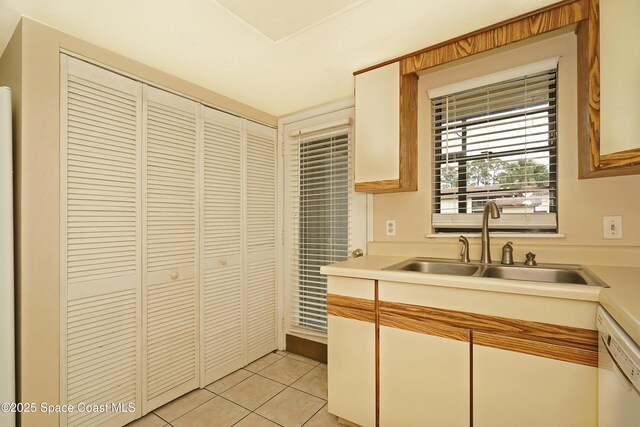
618 375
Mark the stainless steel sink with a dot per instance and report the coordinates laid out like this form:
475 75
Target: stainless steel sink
535 274
437 267
545 273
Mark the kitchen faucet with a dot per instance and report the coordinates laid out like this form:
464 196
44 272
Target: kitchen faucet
495 214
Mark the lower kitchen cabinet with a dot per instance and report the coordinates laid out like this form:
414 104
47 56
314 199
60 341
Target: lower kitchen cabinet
460 357
512 388
351 351
424 380
351 377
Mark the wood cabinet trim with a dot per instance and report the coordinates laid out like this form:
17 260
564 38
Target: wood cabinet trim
424 327
575 345
408 131
514 30
521 27
351 308
385 186
536 348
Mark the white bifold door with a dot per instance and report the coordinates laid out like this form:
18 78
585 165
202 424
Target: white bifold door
101 214
239 243
170 244
167 247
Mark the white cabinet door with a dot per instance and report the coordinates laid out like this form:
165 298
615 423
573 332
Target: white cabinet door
351 349
352 370
222 295
260 242
511 388
424 380
170 281
378 124
100 235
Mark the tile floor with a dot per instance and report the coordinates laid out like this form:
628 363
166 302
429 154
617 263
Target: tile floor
280 389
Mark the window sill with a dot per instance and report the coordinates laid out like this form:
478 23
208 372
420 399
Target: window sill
498 234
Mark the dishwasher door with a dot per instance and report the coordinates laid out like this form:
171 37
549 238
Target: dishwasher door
618 375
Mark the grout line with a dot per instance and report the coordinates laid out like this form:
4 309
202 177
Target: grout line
238 383
192 409
314 414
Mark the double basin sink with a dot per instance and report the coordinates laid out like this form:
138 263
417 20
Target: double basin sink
545 273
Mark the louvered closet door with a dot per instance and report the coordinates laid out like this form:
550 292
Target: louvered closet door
260 240
100 235
170 282
222 290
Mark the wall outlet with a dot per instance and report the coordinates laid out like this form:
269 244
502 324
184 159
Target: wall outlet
391 227
612 227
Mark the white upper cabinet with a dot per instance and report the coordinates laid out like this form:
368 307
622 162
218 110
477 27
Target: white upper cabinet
385 149
378 124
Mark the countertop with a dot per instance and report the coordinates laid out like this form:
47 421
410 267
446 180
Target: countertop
621 299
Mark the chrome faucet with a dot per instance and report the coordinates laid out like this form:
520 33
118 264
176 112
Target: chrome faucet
495 214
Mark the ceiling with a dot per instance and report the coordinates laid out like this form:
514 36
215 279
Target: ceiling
280 56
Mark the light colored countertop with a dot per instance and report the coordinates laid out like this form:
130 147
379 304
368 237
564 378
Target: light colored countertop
621 300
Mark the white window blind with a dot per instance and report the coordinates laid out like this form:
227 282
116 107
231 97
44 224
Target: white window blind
320 169
496 143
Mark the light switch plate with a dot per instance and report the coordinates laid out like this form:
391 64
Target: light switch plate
391 227
612 227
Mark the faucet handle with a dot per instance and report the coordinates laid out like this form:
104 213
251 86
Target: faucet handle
531 259
507 254
464 254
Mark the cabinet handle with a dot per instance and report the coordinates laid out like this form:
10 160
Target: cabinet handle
174 275
223 261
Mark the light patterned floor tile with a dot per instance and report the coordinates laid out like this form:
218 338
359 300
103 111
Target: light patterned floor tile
229 381
291 408
263 362
323 419
255 420
184 404
253 391
149 420
314 382
303 359
217 412
286 370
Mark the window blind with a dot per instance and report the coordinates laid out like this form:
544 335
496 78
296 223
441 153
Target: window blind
321 171
497 143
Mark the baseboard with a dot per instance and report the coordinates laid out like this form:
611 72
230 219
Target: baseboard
304 347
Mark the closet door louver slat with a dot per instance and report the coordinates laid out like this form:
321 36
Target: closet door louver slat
100 231
260 240
170 284
222 294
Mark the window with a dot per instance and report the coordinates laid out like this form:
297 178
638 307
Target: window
319 204
496 142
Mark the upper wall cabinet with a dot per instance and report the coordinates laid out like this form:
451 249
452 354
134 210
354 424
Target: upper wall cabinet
608 131
386 147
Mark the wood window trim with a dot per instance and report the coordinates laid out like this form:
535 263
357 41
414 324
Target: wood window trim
540 21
